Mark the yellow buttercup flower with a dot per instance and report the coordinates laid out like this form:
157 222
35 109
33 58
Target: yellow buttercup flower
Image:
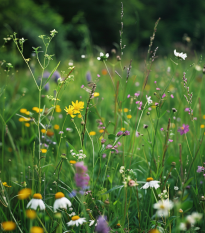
8 226
27 124
31 214
56 127
24 193
92 133
36 230
43 151
126 109
23 110
58 108
27 113
77 106
6 185
129 116
101 131
79 116
203 116
70 111
43 131
96 94
122 129
202 126
72 162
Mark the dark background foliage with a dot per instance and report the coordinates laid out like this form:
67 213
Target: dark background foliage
97 22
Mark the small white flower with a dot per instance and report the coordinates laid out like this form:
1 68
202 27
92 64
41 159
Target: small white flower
168 69
107 55
176 188
36 202
149 99
122 168
151 183
182 226
101 54
72 214
80 151
98 58
61 201
163 207
91 222
82 56
198 68
164 191
180 55
76 220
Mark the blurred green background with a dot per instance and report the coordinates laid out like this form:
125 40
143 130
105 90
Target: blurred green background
84 25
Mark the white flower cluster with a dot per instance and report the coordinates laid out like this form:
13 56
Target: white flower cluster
122 169
180 55
190 221
80 155
163 195
149 101
103 57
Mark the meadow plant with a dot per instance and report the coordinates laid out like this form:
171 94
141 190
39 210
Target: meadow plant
121 152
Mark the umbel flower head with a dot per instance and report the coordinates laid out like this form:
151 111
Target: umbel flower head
61 201
184 129
163 207
76 220
103 57
36 202
180 55
151 183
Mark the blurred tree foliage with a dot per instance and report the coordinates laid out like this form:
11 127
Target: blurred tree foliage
82 23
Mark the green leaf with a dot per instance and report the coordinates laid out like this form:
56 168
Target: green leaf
59 229
185 197
111 136
188 181
51 74
112 189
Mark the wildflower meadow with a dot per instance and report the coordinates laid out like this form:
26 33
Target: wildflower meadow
108 143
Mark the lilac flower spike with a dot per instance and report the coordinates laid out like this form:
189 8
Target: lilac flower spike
102 226
184 129
81 176
200 169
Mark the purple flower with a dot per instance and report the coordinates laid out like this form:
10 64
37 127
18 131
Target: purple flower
81 177
184 129
108 146
163 95
200 169
46 74
82 86
126 133
158 89
61 132
170 140
172 96
161 129
155 81
186 109
102 226
68 129
56 76
156 104
88 76
98 75
104 155
137 94
103 141
119 133
128 96
47 87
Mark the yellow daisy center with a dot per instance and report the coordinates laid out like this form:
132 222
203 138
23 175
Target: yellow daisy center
161 206
9 226
149 179
37 196
59 195
74 218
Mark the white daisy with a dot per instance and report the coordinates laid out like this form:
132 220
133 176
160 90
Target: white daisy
36 202
151 183
163 207
76 220
61 201
180 55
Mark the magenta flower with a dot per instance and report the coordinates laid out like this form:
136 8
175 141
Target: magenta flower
137 94
163 95
82 86
119 133
200 169
158 89
155 81
172 96
128 96
170 140
184 129
98 75
186 109
161 129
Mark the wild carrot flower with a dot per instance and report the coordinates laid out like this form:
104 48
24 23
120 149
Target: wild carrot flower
61 201
102 226
184 129
151 183
76 220
81 176
163 207
8 226
36 202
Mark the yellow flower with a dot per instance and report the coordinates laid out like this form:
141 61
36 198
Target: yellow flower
23 110
27 113
72 161
154 231
129 116
126 109
70 111
31 214
79 116
101 131
77 106
27 124
41 110
21 119
172 125
202 126
96 94
104 72
203 116
92 133
123 129
35 108
24 193
149 179
119 110
43 131
8 226
6 185
56 127
43 151
36 230
58 108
